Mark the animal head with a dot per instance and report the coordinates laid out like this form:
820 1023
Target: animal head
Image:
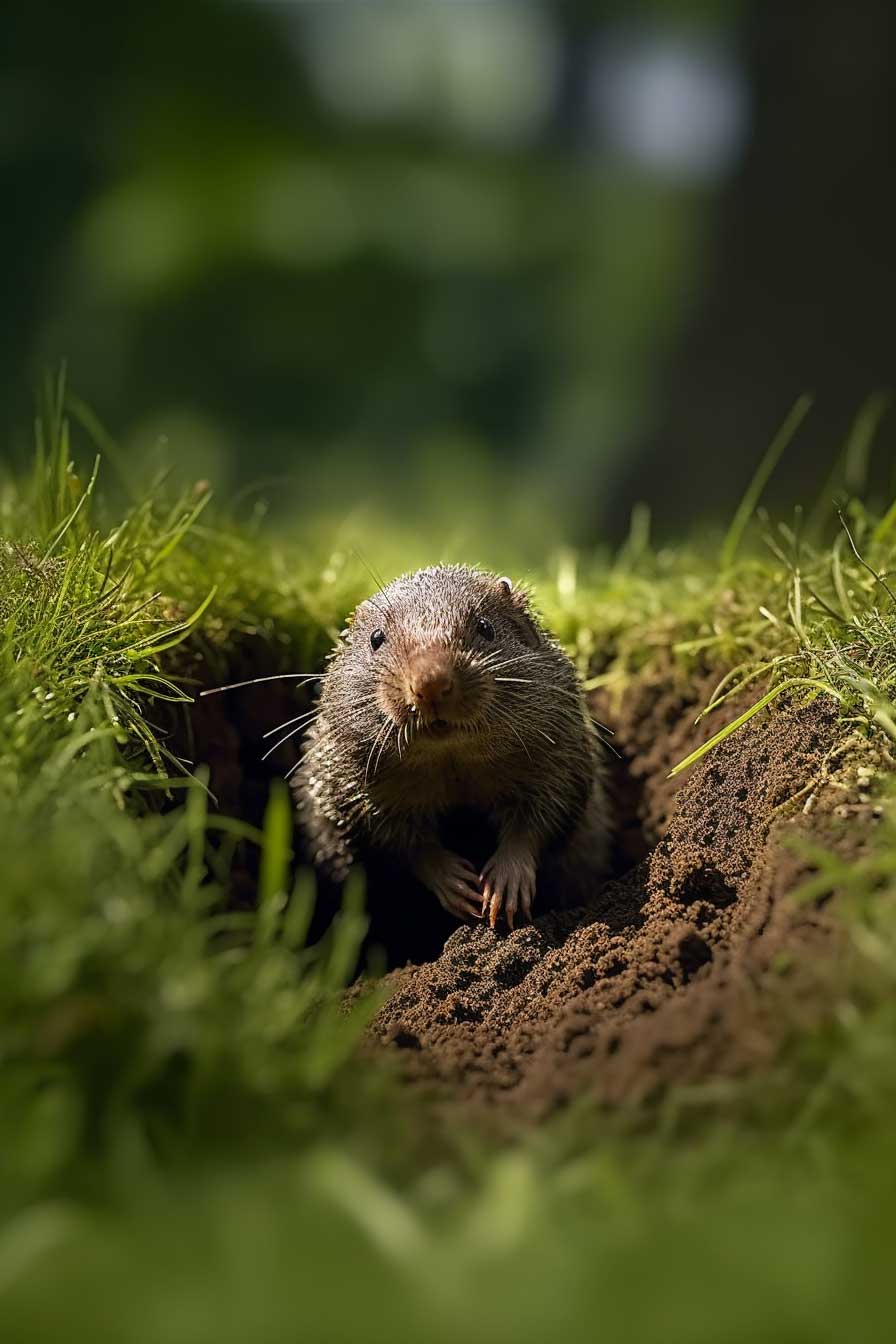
438 646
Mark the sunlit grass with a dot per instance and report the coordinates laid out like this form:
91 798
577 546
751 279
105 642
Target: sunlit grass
191 1146
131 992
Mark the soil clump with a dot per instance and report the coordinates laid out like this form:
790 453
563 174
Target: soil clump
669 975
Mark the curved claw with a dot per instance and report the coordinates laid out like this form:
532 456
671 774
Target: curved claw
508 883
457 902
455 884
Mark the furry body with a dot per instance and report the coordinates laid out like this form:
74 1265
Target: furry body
465 702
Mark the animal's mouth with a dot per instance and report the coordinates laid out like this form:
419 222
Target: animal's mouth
441 728
426 726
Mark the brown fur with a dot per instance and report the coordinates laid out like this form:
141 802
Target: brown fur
442 717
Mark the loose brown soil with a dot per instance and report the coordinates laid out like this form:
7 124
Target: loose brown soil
673 973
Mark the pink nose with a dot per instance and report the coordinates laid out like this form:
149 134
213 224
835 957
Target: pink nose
430 678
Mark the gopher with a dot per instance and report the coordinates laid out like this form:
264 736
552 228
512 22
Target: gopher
447 692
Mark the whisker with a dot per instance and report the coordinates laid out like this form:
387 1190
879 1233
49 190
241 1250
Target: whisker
377 578
376 739
376 606
380 585
503 716
382 747
557 690
301 761
521 658
308 714
520 739
523 744
347 710
255 681
283 739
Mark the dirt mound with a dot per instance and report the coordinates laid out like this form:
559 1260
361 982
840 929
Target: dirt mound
655 982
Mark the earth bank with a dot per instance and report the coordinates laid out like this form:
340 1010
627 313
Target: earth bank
677 970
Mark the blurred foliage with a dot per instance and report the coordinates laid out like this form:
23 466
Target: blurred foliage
366 249
783 1245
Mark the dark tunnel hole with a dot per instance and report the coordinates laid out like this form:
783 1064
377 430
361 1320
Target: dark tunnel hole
227 733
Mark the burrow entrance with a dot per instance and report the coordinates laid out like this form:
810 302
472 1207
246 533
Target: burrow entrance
671 974
231 734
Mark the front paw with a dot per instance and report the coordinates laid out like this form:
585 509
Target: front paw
508 884
453 882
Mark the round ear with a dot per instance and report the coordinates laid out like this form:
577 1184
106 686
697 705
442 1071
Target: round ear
523 619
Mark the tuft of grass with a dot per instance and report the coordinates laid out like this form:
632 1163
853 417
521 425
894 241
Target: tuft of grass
133 996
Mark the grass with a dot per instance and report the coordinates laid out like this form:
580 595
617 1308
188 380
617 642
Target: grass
191 1149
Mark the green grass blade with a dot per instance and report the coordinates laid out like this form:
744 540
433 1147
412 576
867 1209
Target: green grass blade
179 532
177 634
839 581
276 854
878 578
68 522
748 714
348 930
753 493
743 682
297 920
861 439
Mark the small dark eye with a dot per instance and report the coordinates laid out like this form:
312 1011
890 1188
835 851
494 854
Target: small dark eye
377 637
485 628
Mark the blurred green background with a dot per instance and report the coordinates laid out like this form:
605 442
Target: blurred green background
516 262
